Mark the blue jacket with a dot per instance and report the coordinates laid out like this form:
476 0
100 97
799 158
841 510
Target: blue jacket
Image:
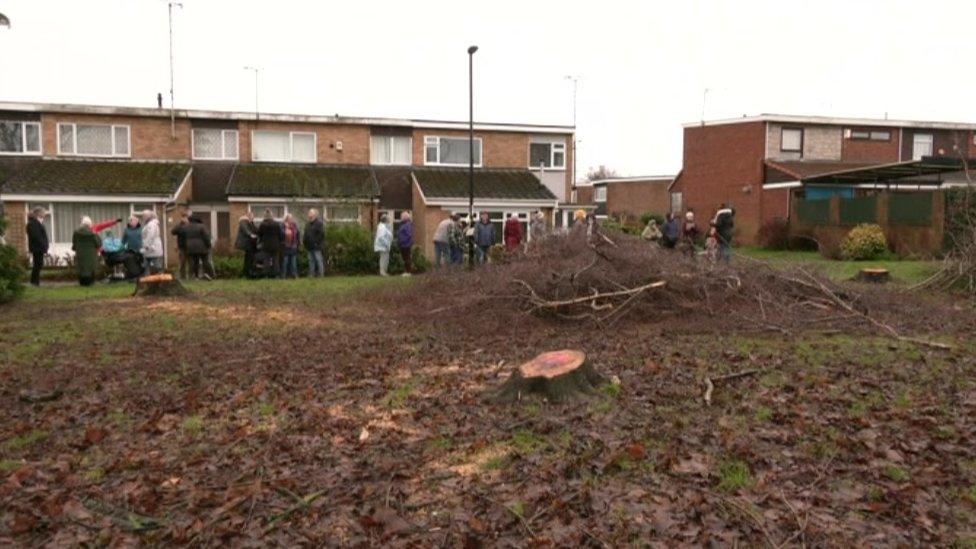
405 235
484 234
672 229
132 238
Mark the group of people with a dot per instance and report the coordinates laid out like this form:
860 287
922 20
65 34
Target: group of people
139 250
685 234
454 235
271 247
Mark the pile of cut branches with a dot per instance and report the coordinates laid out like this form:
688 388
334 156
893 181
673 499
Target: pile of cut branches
958 269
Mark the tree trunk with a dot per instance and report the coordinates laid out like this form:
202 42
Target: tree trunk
558 376
160 285
878 276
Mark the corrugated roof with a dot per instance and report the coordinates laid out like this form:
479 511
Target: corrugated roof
496 184
47 176
800 169
303 181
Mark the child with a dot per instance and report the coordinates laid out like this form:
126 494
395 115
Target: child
711 245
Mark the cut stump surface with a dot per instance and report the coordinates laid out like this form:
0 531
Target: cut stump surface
162 285
874 275
557 376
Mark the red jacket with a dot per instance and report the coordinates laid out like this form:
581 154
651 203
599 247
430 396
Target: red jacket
512 234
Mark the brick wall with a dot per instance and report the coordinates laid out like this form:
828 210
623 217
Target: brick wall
15 214
724 163
355 140
150 138
635 198
867 150
584 195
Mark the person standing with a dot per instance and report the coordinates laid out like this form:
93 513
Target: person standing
455 239
85 244
198 243
651 232
247 242
132 235
269 241
442 242
405 242
484 237
179 233
382 244
689 233
724 223
671 232
314 240
152 242
37 243
537 227
289 247
512 233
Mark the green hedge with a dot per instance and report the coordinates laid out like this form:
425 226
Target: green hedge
11 271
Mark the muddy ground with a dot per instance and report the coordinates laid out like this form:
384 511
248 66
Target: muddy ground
258 414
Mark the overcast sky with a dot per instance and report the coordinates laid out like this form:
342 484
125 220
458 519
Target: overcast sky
642 66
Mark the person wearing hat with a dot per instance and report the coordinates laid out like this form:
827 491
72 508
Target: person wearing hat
37 243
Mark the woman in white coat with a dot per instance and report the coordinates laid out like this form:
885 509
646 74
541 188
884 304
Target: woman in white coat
152 242
384 239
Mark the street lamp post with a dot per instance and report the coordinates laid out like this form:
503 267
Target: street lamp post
575 80
255 69
172 108
471 51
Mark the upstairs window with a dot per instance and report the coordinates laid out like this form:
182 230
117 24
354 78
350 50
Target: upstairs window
791 140
450 151
275 146
547 155
20 137
921 145
214 144
873 135
390 150
93 140
600 193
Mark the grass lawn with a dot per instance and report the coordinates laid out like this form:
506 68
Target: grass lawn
902 270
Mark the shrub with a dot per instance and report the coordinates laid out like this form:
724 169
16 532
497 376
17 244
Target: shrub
349 250
775 234
228 266
644 219
865 241
11 270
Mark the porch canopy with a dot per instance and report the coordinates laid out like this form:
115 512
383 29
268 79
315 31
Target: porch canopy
492 187
94 180
926 173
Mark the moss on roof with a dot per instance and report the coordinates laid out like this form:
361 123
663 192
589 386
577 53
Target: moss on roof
303 181
96 177
500 184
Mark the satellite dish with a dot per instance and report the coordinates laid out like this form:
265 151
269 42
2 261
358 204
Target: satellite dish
4 21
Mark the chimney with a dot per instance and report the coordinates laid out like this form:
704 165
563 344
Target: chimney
159 100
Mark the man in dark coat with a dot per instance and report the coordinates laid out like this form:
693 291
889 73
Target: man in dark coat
269 242
313 240
724 222
179 231
197 246
247 242
37 243
484 237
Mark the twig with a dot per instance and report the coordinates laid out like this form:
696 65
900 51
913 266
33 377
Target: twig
755 519
303 503
709 387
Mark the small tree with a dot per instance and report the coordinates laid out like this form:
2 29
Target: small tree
602 172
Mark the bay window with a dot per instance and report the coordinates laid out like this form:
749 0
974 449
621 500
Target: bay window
390 150
282 146
214 144
93 140
547 155
18 137
450 151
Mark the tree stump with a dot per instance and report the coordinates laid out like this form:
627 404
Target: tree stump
557 376
159 285
877 276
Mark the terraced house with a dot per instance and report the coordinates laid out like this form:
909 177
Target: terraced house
824 175
107 162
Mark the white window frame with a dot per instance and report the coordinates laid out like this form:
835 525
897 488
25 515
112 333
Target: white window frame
390 161
782 139
915 144
291 146
23 138
112 127
223 144
428 140
599 190
553 146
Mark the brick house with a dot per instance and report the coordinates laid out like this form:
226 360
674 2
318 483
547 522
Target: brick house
631 197
107 162
762 164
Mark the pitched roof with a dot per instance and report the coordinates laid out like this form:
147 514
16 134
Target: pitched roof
96 177
498 184
210 181
303 181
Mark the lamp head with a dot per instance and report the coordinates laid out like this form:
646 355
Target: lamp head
472 49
